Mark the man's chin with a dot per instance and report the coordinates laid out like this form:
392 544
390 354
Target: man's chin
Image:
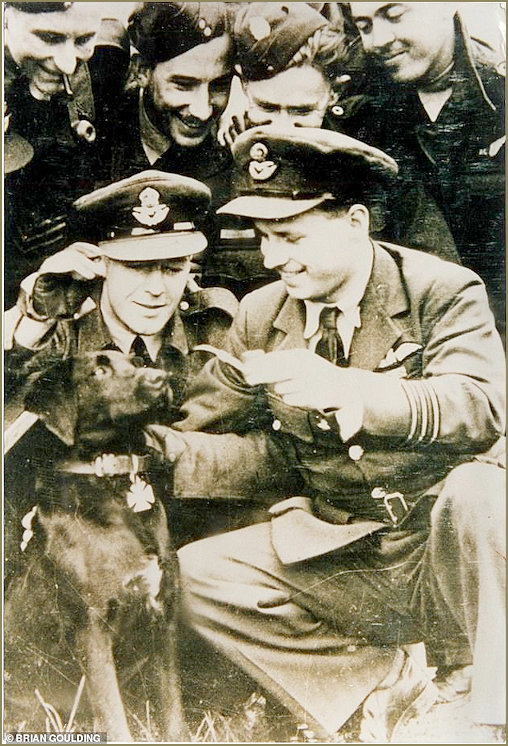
184 136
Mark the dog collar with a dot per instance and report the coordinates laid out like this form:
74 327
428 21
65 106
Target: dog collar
107 465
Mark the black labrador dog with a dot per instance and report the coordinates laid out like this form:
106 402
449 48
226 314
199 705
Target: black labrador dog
98 593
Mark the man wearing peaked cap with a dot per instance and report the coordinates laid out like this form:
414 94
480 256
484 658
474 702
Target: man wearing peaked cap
282 173
382 374
129 287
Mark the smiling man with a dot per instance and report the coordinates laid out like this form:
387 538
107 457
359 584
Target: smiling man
181 81
288 56
129 287
434 98
377 373
64 67
49 40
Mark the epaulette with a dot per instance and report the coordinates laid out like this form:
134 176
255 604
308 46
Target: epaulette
205 299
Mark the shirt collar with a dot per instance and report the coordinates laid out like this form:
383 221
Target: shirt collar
123 338
154 142
348 302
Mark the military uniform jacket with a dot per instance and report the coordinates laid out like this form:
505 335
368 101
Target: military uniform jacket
452 172
423 320
64 167
204 316
125 156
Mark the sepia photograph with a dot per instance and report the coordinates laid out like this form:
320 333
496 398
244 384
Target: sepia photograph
254 382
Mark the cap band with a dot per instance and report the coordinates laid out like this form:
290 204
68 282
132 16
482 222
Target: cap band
155 247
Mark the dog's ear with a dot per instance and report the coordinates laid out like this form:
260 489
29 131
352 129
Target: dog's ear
51 394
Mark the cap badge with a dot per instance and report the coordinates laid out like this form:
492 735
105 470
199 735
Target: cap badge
151 211
259 28
259 168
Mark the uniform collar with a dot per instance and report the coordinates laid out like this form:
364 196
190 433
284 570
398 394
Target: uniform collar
94 333
465 58
348 302
123 338
155 143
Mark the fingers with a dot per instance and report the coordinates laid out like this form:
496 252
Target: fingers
272 367
164 440
83 261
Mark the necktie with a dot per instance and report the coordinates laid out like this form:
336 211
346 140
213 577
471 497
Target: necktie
138 348
330 344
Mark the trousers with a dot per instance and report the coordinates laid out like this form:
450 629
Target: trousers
320 635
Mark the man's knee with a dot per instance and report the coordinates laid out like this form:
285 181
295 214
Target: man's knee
472 499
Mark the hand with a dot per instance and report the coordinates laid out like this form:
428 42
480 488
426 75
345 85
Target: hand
303 379
230 129
233 121
63 281
83 261
165 441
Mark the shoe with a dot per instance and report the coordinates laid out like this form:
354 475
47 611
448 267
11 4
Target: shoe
407 692
455 685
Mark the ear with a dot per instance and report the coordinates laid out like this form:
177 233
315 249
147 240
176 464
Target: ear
52 396
359 217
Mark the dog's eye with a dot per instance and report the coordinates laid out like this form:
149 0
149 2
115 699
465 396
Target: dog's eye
101 372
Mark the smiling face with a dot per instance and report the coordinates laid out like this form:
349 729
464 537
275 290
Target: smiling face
316 253
412 41
297 97
187 94
143 296
48 45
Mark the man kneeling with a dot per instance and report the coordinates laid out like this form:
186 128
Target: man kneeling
382 374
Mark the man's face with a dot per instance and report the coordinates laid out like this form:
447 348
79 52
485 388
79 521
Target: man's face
49 45
189 93
315 253
297 97
412 41
144 295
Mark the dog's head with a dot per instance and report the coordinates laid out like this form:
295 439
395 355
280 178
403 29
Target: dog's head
96 398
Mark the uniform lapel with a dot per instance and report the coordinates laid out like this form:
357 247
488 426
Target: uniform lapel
384 299
291 321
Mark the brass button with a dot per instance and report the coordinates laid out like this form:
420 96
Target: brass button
184 306
276 425
355 453
323 424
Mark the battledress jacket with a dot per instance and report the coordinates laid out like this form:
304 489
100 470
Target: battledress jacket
450 194
426 324
64 166
232 258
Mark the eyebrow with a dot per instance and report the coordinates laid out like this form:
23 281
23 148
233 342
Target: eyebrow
380 11
61 35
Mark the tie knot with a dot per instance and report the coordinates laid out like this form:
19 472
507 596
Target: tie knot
329 317
138 348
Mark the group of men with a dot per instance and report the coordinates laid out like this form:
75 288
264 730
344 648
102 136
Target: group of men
365 386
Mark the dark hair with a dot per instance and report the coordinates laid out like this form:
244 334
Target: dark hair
372 195
40 7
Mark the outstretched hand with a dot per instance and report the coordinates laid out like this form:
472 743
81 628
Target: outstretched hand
165 441
302 379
